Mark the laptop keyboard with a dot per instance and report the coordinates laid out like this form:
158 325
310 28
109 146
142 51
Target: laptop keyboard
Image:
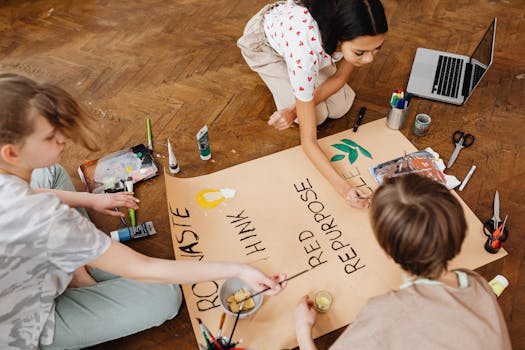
448 74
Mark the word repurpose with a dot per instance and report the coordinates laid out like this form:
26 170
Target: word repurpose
344 251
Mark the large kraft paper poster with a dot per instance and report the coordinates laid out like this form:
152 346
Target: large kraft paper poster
285 217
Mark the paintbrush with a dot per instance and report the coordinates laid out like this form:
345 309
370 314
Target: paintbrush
208 344
221 323
281 282
206 330
235 323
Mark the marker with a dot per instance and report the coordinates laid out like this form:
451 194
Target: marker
129 188
150 143
467 178
360 117
174 167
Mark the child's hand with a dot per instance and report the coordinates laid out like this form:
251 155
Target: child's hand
106 203
282 119
305 315
356 198
259 281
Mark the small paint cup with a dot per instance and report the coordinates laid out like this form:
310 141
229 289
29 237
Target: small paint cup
396 117
421 124
498 284
322 301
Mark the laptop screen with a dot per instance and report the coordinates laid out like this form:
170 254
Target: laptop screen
481 58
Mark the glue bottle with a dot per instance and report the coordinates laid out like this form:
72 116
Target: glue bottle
498 284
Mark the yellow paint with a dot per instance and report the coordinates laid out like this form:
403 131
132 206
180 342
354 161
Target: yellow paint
209 199
129 169
323 302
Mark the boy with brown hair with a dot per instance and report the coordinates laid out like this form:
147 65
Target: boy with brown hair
421 225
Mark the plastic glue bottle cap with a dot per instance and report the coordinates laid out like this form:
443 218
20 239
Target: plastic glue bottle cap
498 284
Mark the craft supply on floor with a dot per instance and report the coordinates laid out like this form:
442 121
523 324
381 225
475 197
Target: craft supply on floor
467 178
398 110
421 124
129 233
498 284
150 137
172 161
129 188
204 143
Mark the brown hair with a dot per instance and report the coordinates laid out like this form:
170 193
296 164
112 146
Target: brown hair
419 223
19 96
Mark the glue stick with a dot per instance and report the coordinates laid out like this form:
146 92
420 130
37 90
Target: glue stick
498 284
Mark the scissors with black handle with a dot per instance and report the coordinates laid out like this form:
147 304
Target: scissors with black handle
461 140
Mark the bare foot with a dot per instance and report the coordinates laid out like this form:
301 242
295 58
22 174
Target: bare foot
81 278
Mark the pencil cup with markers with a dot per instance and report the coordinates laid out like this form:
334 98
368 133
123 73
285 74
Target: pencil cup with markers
397 113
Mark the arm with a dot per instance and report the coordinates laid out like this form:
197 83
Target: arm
334 83
321 93
147 269
305 317
308 131
103 202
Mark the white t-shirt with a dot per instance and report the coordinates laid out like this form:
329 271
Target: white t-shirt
42 242
293 33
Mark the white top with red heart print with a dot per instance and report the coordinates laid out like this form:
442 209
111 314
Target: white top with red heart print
293 33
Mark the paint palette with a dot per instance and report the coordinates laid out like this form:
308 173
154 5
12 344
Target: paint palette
107 174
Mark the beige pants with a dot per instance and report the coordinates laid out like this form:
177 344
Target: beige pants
271 67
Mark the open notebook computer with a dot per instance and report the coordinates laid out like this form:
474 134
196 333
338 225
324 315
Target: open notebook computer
448 77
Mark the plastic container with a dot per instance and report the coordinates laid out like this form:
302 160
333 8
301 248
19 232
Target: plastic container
498 284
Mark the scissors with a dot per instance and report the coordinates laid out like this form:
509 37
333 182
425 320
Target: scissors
461 140
495 238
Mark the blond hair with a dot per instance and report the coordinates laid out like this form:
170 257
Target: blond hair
19 96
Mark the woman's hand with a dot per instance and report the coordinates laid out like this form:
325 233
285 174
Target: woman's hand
356 198
106 203
282 119
305 317
259 281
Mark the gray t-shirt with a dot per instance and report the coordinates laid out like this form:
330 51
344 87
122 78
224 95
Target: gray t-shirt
42 242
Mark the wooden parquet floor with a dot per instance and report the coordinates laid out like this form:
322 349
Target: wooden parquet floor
176 62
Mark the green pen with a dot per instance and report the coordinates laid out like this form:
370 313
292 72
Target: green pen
129 188
150 143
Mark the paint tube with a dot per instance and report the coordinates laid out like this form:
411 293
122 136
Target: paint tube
129 233
173 165
204 144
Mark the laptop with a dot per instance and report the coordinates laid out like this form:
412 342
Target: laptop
448 77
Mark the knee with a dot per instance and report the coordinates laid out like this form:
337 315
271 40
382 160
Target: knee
47 177
170 297
341 102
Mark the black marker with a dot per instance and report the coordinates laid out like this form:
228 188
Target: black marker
360 117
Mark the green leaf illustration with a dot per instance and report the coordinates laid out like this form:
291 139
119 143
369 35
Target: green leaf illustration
350 142
365 152
352 156
343 148
337 157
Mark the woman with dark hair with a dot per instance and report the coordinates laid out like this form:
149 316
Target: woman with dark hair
293 46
